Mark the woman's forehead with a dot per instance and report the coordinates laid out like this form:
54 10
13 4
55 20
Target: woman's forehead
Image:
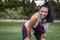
44 9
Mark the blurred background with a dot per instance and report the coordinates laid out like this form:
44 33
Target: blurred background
23 9
14 13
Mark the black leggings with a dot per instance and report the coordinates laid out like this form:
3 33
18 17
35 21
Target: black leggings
37 34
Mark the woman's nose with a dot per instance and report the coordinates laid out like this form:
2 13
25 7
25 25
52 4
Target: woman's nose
43 13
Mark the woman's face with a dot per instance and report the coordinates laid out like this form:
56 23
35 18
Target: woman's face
43 12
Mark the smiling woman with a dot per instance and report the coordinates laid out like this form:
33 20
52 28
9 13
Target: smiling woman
38 23
43 12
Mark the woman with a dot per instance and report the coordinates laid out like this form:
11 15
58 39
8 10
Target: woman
38 23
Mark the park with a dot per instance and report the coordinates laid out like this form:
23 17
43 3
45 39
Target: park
13 14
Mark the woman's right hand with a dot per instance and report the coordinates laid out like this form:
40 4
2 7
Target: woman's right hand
27 38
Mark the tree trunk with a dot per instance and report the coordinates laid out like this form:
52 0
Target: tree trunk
58 2
45 0
33 1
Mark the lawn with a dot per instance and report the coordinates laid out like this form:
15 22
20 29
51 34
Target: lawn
13 31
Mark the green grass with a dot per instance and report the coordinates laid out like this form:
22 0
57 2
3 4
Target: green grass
53 32
13 31
10 31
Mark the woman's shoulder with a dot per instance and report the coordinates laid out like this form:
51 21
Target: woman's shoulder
34 16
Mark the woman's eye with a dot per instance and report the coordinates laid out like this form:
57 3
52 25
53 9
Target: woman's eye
41 11
45 12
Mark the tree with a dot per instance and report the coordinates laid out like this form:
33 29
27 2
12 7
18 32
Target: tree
45 0
57 1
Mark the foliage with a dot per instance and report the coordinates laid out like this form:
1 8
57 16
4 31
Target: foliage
56 8
25 8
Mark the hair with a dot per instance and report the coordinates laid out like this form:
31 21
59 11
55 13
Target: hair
49 17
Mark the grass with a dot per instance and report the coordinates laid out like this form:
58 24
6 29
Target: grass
53 32
10 31
13 31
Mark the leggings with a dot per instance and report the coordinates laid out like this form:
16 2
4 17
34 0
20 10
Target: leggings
37 34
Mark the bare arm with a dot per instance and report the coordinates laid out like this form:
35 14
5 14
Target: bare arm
32 22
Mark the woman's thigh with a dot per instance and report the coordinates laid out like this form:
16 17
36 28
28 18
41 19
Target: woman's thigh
24 34
38 35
